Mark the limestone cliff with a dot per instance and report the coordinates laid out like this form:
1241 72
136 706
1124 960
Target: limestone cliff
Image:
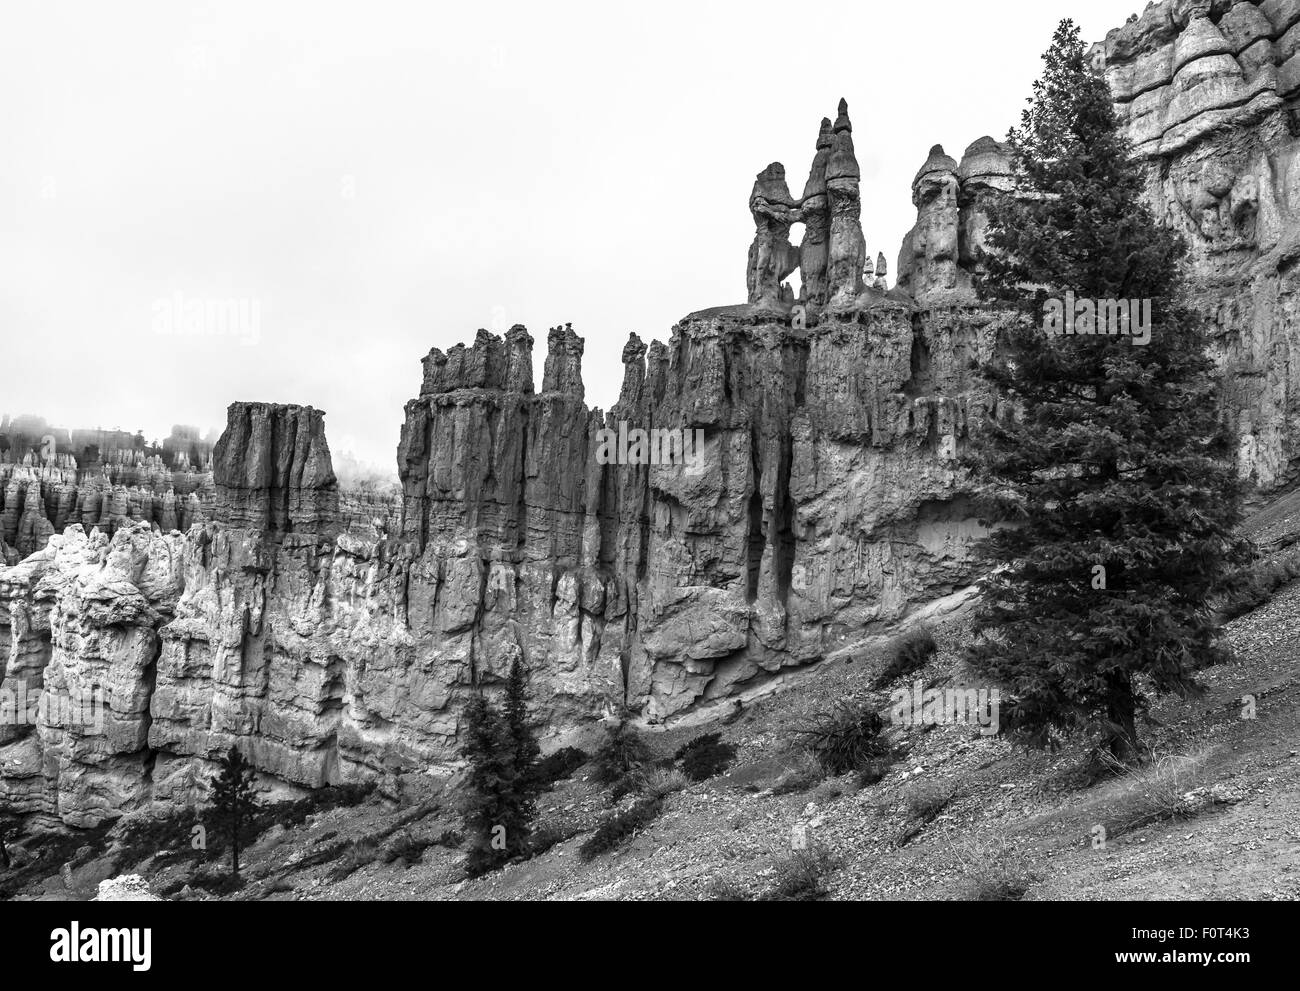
821 501
272 470
1208 92
51 479
820 506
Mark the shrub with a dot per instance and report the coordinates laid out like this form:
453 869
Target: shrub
907 654
404 847
994 871
620 759
805 774
559 766
845 738
1249 587
726 891
705 757
619 827
827 792
357 855
217 882
449 838
926 801
660 782
801 877
873 771
923 804
548 836
1156 792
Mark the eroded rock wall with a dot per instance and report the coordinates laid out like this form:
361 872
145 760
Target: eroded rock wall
80 622
1208 92
825 503
820 508
822 504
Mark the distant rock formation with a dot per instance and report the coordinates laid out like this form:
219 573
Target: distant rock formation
833 253
848 249
940 254
129 486
771 257
1208 92
272 470
45 487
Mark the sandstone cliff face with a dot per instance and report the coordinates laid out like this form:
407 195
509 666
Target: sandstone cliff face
42 494
1208 93
272 470
79 631
940 253
822 505
242 634
335 637
40 498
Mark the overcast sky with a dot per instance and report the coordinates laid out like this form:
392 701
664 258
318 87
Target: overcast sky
367 181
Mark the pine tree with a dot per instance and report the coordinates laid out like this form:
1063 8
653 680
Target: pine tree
233 801
8 834
498 804
1109 459
526 749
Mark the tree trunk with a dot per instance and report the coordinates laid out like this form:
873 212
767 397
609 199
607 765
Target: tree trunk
234 844
1122 713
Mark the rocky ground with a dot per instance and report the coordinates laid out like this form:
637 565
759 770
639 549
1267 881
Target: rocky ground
1216 814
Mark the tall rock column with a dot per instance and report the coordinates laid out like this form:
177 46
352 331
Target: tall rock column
272 470
771 257
848 247
816 213
928 263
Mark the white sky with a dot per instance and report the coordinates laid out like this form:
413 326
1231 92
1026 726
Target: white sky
382 178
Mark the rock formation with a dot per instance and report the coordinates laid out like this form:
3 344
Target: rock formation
831 257
334 643
821 510
848 249
45 486
815 210
44 489
771 256
1207 92
272 470
940 254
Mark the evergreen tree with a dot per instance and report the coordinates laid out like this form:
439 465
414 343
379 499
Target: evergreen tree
498 804
525 747
8 834
1108 459
233 801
